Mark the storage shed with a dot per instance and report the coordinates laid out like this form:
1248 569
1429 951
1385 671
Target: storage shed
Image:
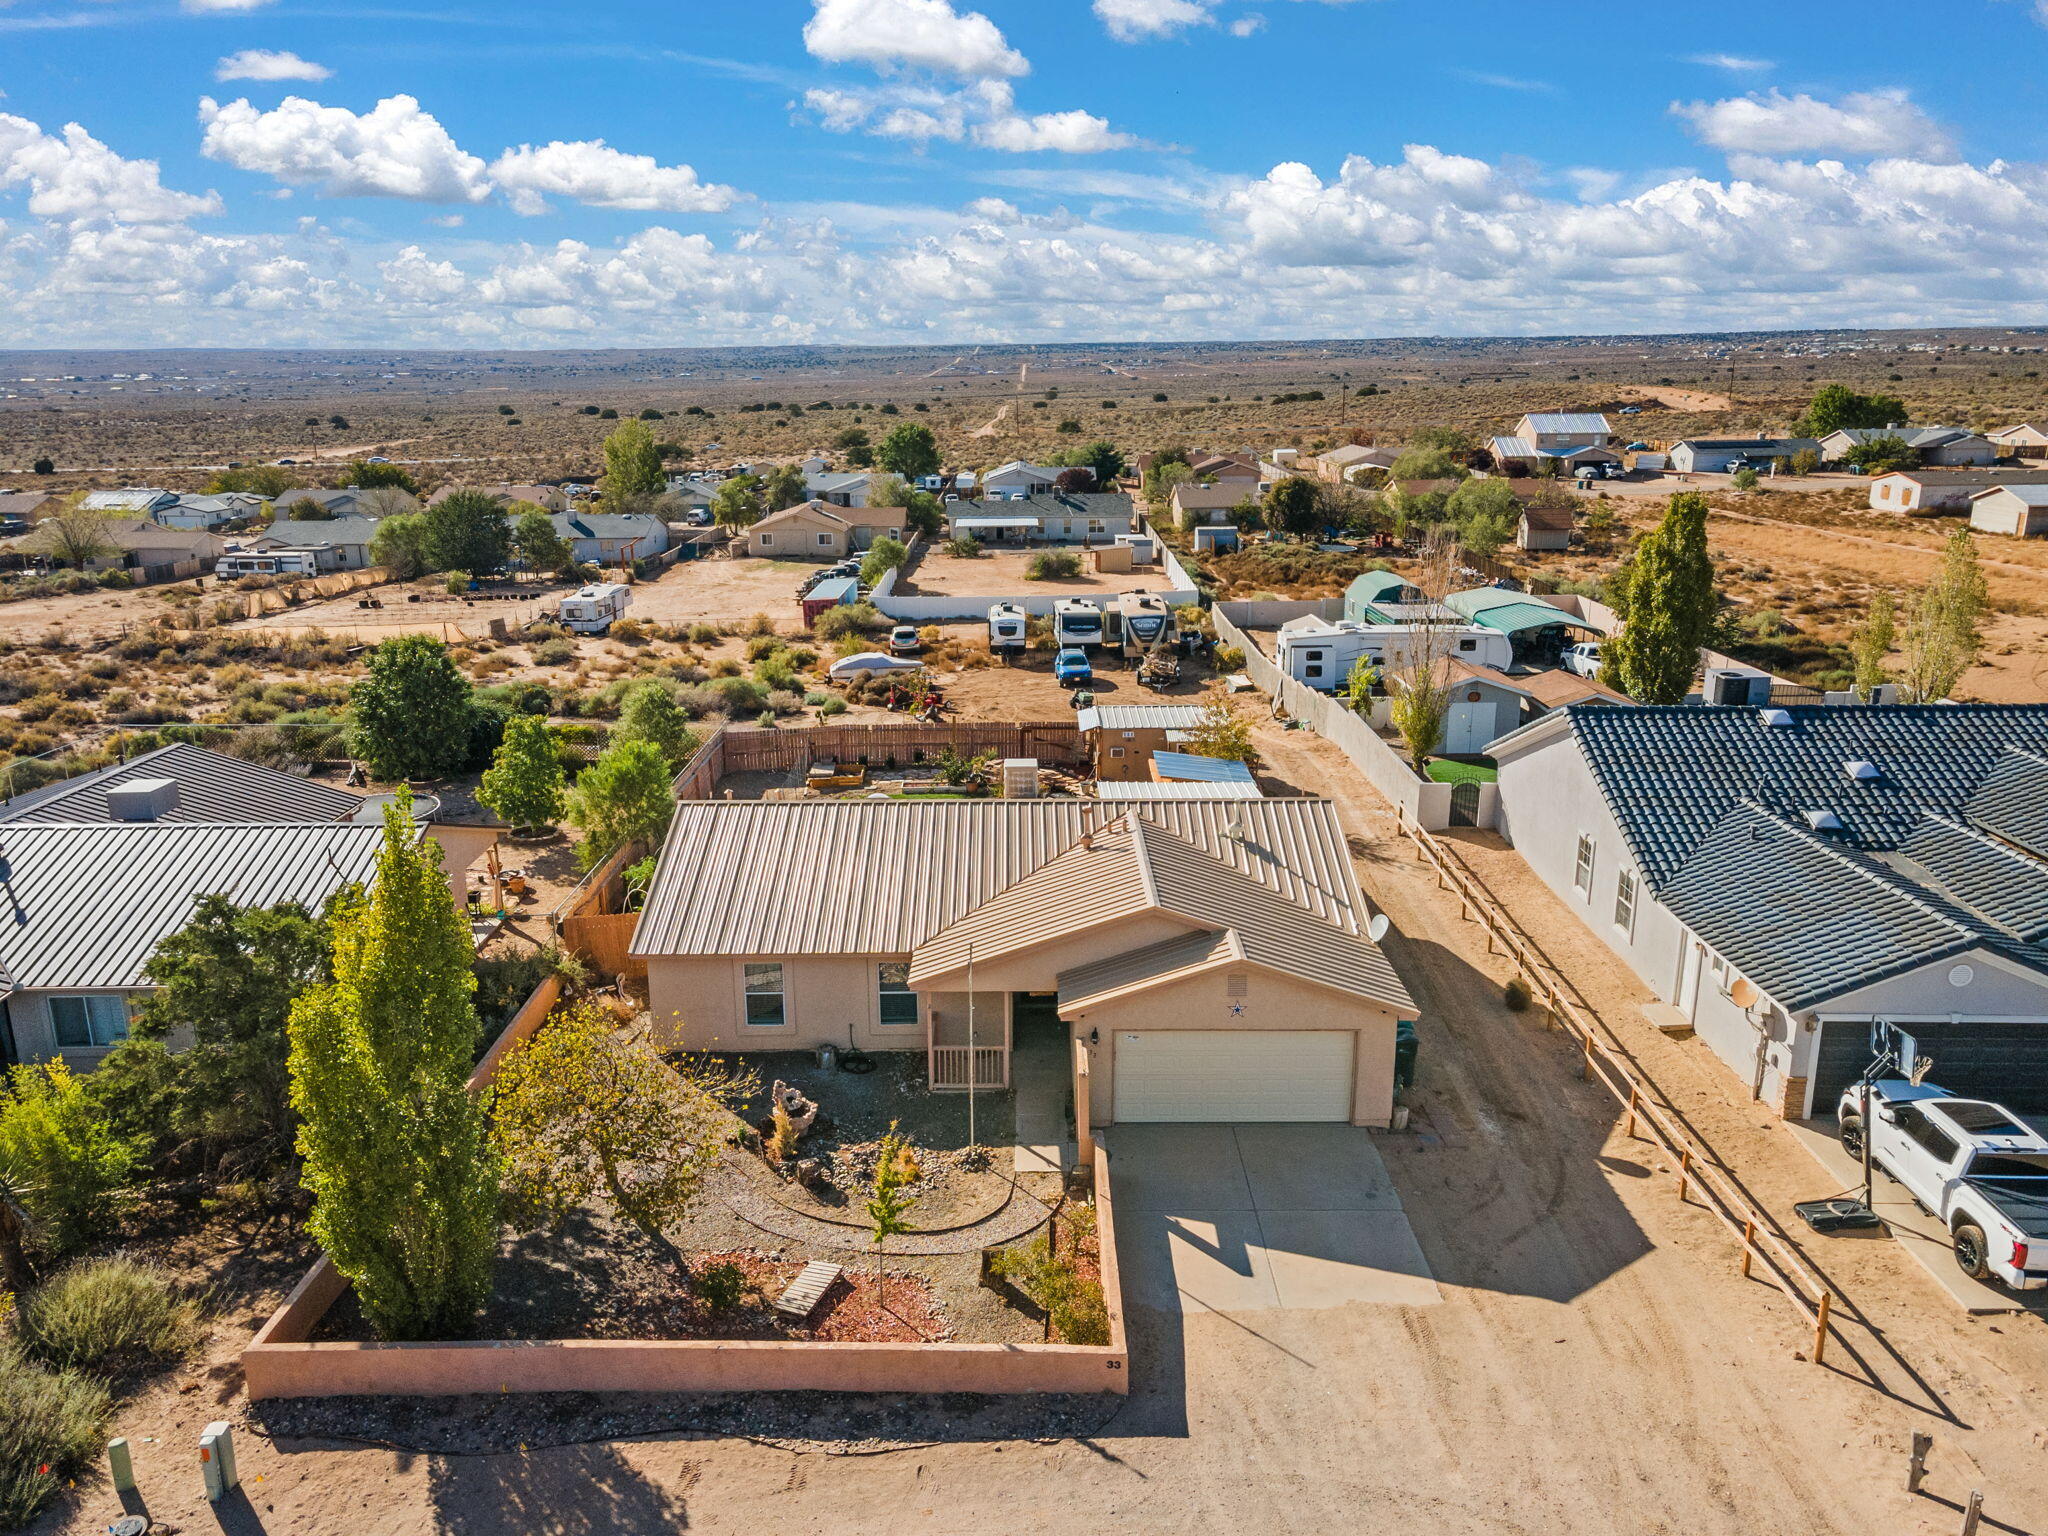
2020 510
1190 768
829 593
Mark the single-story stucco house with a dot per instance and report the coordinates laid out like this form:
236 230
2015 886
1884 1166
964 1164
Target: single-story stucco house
1210 956
1803 887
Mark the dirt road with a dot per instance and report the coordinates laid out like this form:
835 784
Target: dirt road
1597 1367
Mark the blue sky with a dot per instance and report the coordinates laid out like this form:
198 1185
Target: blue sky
238 172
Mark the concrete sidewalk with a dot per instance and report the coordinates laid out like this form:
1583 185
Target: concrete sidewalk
1041 1078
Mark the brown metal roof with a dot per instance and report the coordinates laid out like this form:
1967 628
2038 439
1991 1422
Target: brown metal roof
881 877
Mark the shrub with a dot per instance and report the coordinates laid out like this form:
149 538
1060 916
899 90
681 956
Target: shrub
785 701
110 1316
1073 1305
722 1286
458 583
554 653
704 634
1053 565
832 706
56 1140
966 548
1229 658
740 695
52 1424
1516 995
849 619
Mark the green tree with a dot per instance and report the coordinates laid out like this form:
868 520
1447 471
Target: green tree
737 502
632 466
650 714
1745 479
1161 480
889 1211
400 546
1668 606
1426 464
535 541
1882 455
412 712
366 476
578 1111
1944 635
883 556
1835 406
783 486
269 481
225 983
305 509
850 438
622 798
1870 642
1359 685
73 536
1292 506
468 532
59 1154
1220 731
910 451
523 785
1101 456
397 1152
1418 710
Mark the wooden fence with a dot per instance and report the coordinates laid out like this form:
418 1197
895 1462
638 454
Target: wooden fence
751 749
1649 1117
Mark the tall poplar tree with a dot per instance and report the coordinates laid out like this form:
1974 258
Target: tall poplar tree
1669 607
632 464
397 1156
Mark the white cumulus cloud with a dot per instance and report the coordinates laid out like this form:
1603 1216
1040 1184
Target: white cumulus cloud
75 179
914 34
1137 21
984 114
594 173
267 64
1862 123
393 150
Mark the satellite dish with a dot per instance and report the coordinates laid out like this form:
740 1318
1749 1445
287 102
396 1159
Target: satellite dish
1744 993
1376 930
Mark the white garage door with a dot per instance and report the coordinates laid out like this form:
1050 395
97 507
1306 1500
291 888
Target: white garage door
1234 1074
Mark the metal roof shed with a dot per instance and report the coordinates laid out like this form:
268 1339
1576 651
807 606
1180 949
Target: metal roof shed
1188 767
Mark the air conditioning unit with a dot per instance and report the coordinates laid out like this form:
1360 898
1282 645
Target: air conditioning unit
1736 686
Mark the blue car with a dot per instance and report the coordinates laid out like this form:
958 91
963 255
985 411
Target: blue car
1071 668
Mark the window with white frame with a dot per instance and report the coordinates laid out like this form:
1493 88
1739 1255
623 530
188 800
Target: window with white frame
764 996
1625 902
1582 870
89 1022
897 1004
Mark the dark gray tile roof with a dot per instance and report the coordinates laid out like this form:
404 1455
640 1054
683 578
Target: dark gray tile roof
2012 802
1807 920
1672 775
1991 878
212 787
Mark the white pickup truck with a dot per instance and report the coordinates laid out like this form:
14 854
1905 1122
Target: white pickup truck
1972 1164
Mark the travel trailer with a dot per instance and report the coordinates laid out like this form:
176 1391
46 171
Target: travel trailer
592 610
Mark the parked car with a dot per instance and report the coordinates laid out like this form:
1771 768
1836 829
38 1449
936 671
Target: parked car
1071 669
1971 1164
1583 659
903 640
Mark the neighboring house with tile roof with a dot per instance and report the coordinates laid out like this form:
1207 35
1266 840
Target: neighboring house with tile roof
1794 883
1210 955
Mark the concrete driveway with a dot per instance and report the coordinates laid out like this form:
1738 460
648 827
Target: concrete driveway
1249 1218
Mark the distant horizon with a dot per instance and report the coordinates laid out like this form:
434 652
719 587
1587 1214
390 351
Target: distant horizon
969 347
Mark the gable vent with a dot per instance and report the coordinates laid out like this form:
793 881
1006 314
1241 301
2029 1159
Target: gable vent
1857 771
1823 821
1237 984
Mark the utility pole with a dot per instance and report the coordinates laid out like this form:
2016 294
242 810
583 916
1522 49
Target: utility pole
972 1068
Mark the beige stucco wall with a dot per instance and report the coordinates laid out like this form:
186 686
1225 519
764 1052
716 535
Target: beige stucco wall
1271 1002
1038 970
700 1004
796 538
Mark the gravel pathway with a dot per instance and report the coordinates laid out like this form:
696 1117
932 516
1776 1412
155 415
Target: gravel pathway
1017 1216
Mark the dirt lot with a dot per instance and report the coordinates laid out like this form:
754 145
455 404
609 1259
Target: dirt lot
1000 573
1597 1366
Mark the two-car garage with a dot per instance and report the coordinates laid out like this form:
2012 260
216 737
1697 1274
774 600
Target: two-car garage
1238 1076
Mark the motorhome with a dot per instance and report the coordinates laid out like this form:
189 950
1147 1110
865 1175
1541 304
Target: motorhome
1076 621
270 562
1143 622
1006 629
1321 653
591 610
